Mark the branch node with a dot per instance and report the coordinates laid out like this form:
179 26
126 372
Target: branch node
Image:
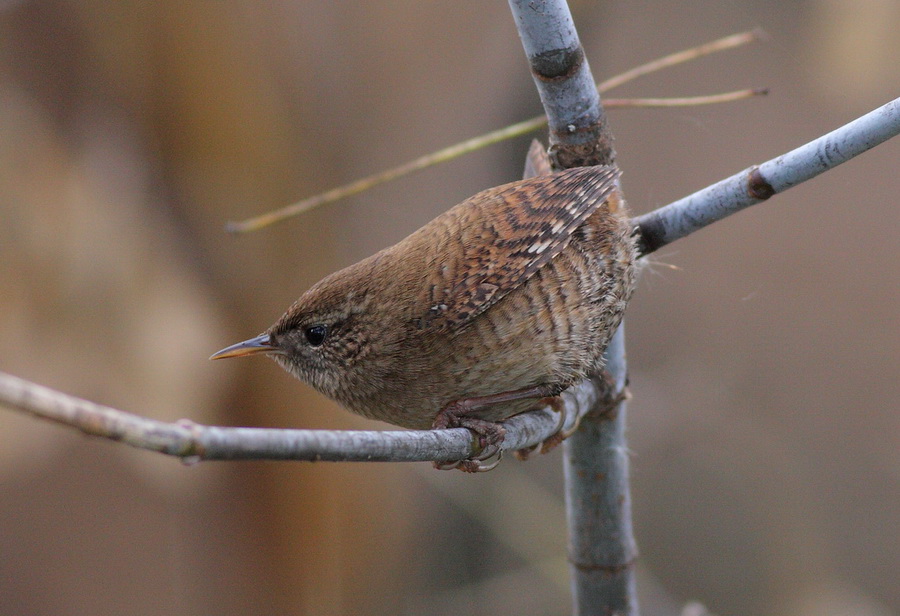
193 450
609 570
565 155
757 186
557 63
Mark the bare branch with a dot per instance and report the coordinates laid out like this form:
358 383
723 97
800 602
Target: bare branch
195 442
602 548
758 183
579 132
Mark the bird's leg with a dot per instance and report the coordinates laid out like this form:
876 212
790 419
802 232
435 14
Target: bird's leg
458 414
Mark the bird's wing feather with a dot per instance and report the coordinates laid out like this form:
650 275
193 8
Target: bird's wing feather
510 232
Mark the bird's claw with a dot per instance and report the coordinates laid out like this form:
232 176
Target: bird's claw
471 465
490 436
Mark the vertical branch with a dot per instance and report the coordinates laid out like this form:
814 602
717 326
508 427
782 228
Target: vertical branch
579 135
602 549
598 502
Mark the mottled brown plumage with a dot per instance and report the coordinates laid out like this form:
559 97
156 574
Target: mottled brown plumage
518 287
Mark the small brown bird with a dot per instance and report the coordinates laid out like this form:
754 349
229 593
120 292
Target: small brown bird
485 312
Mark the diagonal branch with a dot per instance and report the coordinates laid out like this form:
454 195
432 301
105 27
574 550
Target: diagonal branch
758 183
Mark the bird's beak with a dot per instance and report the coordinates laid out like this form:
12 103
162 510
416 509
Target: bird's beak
260 344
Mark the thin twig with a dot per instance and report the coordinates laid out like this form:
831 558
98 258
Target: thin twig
515 130
348 190
684 101
465 147
680 57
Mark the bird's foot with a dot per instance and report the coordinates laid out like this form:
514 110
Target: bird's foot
490 435
459 414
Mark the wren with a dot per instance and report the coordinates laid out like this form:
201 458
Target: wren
487 311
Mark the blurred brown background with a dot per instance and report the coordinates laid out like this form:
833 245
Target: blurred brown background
764 424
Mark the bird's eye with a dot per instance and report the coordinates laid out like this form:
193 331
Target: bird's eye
316 334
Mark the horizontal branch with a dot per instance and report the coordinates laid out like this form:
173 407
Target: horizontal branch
195 442
758 183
